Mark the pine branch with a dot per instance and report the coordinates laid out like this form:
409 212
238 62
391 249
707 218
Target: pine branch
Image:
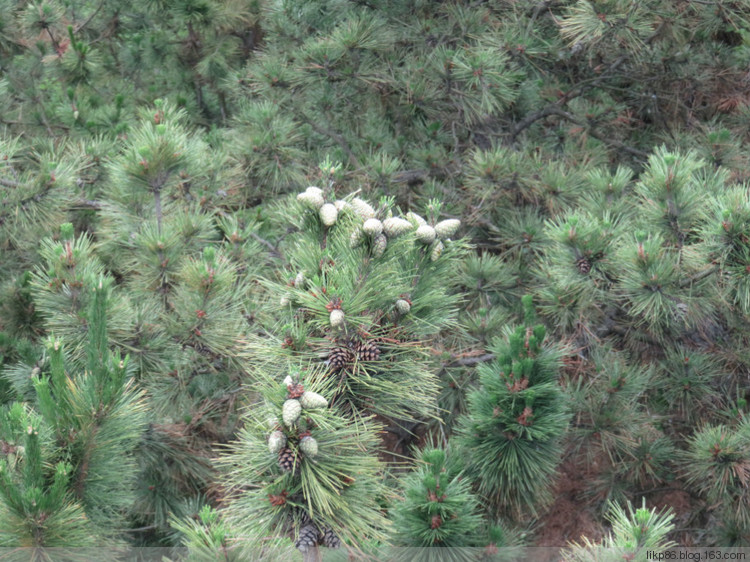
578 90
88 204
471 360
333 135
9 183
699 276
91 17
273 249
410 176
157 205
533 118
554 110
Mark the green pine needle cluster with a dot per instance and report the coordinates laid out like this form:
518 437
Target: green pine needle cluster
515 421
438 508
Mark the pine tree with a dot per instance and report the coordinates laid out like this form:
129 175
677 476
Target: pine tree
715 463
361 297
512 430
69 471
593 152
208 538
437 510
613 427
636 535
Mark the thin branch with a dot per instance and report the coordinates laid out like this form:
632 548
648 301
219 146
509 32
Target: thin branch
579 89
410 176
9 183
88 204
88 20
273 249
532 118
698 276
465 361
141 529
335 136
596 134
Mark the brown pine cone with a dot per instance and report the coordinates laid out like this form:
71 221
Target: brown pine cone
308 537
288 460
340 357
584 265
367 351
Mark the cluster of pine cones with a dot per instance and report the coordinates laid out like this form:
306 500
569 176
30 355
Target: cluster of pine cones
344 355
310 535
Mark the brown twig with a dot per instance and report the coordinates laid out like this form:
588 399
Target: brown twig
578 90
9 183
466 361
88 20
698 276
335 136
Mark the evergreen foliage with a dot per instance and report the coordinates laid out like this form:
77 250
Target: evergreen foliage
69 471
438 508
512 431
590 156
716 464
338 306
636 535
285 486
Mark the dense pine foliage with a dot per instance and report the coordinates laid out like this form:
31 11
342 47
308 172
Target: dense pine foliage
281 277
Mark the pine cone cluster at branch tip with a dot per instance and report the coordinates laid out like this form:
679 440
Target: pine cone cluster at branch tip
330 539
288 461
299 281
379 245
367 351
291 411
584 265
295 390
308 538
340 205
340 357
